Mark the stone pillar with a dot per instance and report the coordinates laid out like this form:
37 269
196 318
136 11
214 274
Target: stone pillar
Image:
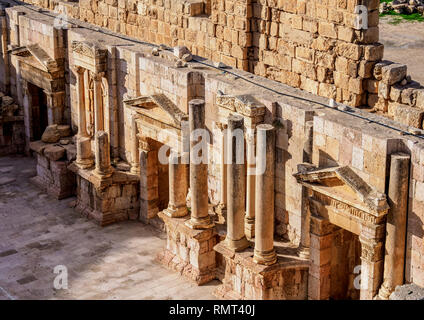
27 104
371 260
149 194
200 218
82 122
178 187
250 186
103 166
98 102
84 154
54 107
221 208
264 202
394 259
236 189
135 165
320 258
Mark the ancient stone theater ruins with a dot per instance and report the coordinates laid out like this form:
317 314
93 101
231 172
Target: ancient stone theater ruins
100 91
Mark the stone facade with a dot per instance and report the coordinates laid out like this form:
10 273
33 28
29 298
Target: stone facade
12 127
328 170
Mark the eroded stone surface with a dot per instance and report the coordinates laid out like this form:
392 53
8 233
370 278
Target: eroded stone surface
38 233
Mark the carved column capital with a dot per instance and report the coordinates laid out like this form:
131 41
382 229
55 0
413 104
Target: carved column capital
98 76
78 69
144 144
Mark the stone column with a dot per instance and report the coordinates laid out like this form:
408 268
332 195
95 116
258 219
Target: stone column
149 194
103 166
394 259
98 102
84 154
250 182
320 258
264 202
135 165
200 218
82 122
178 187
371 260
27 103
54 106
236 189
221 208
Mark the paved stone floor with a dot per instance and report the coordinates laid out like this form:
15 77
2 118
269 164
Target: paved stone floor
38 233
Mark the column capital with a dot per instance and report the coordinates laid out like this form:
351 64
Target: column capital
221 125
371 249
98 76
143 143
78 69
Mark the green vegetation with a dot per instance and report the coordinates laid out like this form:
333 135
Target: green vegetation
397 18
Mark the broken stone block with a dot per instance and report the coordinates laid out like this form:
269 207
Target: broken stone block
155 51
409 116
51 134
54 152
64 130
220 65
420 98
393 73
180 64
409 96
180 51
187 57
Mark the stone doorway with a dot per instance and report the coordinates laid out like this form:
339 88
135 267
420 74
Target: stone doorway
156 122
39 111
345 264
347 227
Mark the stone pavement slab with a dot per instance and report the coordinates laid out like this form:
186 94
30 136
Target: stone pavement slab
39 233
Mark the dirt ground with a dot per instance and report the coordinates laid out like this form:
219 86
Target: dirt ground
404 43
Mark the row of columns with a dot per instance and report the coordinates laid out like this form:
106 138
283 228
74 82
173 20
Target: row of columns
84 159
234 192
263 213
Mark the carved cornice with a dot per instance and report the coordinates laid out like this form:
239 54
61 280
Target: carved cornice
87 49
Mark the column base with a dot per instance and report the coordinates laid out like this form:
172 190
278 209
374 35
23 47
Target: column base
384 293
265 258
173 212
135 170
104 173
303 252
237 245
84 163
249 228
200 223
189 252
221 213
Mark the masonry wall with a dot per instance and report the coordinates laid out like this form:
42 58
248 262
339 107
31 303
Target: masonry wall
338 139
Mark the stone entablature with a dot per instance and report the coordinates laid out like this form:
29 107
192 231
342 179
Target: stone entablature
338 197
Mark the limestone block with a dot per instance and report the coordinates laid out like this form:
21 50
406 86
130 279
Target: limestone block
51 134
180 51
54 153
409 115
393 73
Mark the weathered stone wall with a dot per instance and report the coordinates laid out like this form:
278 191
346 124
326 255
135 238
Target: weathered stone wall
338 139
